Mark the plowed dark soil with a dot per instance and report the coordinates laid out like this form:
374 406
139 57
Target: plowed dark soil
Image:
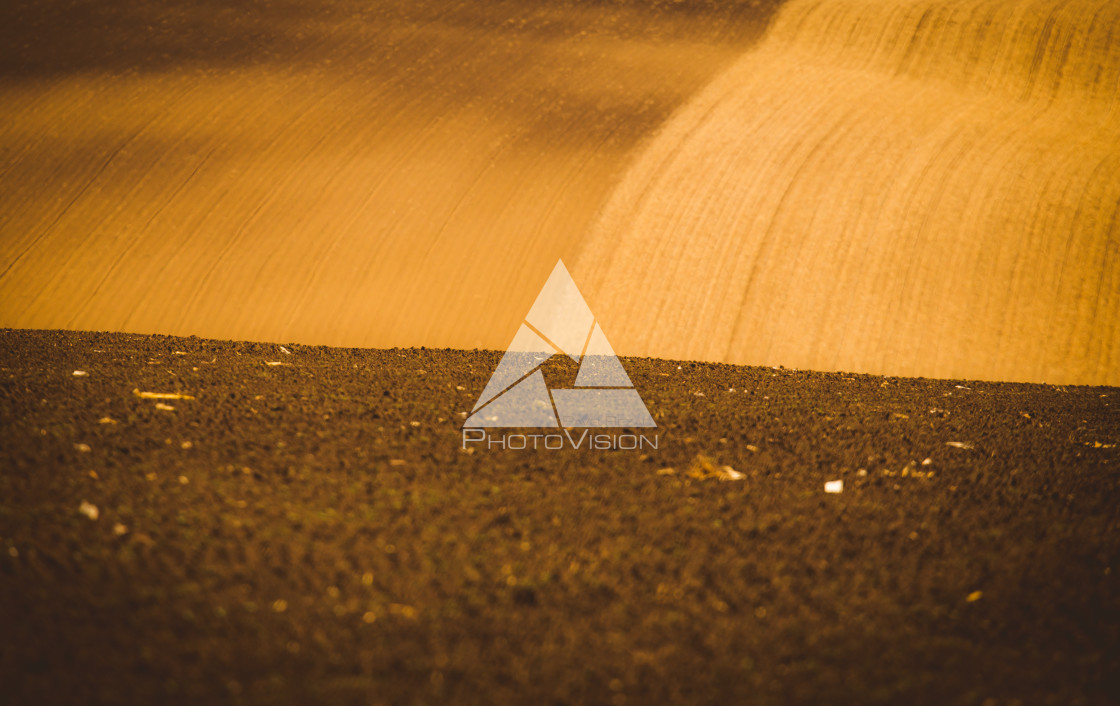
313 532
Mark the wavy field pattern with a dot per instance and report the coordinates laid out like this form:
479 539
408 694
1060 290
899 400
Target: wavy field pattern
914 187
335 172
918 187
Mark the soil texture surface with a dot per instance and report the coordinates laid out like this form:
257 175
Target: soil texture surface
304 525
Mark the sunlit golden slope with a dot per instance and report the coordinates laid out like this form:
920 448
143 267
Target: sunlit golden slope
400 172
916 187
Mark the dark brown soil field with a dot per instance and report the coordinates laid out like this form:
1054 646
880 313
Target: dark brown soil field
312 532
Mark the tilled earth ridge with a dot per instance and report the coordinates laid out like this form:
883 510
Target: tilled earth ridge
313 532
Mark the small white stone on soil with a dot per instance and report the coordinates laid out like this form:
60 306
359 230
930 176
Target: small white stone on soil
89 510
186 445
927 461
959 444
80 374
120 530
84 448
164 407
285 351
834 486
729 473
273 362
861 472
106 420
161 395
